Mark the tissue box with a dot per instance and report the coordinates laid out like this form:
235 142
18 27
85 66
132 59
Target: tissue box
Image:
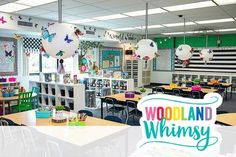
129 95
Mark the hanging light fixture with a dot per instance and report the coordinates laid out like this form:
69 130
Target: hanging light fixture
60 40
206 54
146 49
184 52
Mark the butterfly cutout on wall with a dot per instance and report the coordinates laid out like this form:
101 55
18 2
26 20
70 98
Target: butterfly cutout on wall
29 19
36 25
5 45
20 17
11 17
49 24
8 53
27 54
67 39
17 37
180 49
47 36
13 45
2 20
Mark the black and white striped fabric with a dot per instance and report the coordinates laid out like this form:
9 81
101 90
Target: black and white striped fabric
224 60
32 43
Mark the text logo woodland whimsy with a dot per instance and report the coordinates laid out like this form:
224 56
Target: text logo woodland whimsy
179 121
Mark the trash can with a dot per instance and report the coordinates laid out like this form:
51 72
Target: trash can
90 98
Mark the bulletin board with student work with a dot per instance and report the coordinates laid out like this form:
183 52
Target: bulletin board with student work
165 62
111 58
8 56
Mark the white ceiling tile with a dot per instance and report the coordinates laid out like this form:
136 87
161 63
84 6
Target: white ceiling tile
81 10
230 9
33 11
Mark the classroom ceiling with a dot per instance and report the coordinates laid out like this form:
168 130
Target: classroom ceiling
162 20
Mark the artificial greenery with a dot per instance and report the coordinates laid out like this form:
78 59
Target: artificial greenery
143 90
85 45
59 107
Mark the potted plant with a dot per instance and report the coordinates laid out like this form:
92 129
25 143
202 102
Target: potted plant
59 109
142 90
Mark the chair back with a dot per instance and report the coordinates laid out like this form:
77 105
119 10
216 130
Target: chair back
189 84
176 91
196 94
203 84
3 123
154 89
110 101
89 113
37 91
25 101
160 90
216 86
113 118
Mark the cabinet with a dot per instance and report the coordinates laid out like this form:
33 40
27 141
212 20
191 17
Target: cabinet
53 93
140 71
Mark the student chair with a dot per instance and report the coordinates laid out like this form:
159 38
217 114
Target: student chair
36 99
114 108
189 84
113 118
89 113
196 94
24 101
132 110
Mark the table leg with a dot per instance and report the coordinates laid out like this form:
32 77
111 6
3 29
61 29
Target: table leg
3 107
226 93
101 108
231 91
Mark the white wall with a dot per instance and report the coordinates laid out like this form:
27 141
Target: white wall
164 77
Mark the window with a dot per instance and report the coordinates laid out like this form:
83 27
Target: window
49 65
34 63
68 64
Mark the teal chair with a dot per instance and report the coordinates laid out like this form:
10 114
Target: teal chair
35 101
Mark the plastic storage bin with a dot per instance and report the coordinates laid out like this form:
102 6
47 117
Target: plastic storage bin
43 114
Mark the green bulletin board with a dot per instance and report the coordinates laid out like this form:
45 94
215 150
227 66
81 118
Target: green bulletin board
111 58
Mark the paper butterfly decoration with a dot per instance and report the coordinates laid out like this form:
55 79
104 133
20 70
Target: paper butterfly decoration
36 25
48 36
78 32
60 53
5 45
30 19
2 20
67 39
49 24
17 37
180 49
11 17
8 53
46 55
20 17
151 44
27 54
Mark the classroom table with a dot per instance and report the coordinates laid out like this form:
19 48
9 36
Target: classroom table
226 86
29 118
121 99
188 89
3 100
227 119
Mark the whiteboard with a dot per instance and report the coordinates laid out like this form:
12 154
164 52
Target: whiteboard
165 61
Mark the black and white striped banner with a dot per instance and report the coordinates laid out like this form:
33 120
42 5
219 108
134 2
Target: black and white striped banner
224 60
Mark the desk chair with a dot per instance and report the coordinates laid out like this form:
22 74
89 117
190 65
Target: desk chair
89 113
132 110
179 92
113 118
221 90
203 84
24 101
189 84
196 94
36 99
114 108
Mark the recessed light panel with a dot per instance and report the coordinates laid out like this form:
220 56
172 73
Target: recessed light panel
110 17
215 21
225 2
178 24
34 2
12 7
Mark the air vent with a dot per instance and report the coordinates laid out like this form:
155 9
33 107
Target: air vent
90 32
27 24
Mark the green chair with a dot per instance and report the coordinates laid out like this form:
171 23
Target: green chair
36 98
24 101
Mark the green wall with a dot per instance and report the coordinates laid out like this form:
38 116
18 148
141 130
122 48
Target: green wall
196 41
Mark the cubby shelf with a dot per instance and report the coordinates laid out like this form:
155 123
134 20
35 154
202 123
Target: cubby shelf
53 93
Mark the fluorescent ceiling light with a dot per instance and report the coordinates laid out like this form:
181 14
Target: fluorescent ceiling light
215 21
225 2
143 12
179 24
12 7
149 27
226 30
173 33
124 29
34 2
82 21
193 32
190 6
110 17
